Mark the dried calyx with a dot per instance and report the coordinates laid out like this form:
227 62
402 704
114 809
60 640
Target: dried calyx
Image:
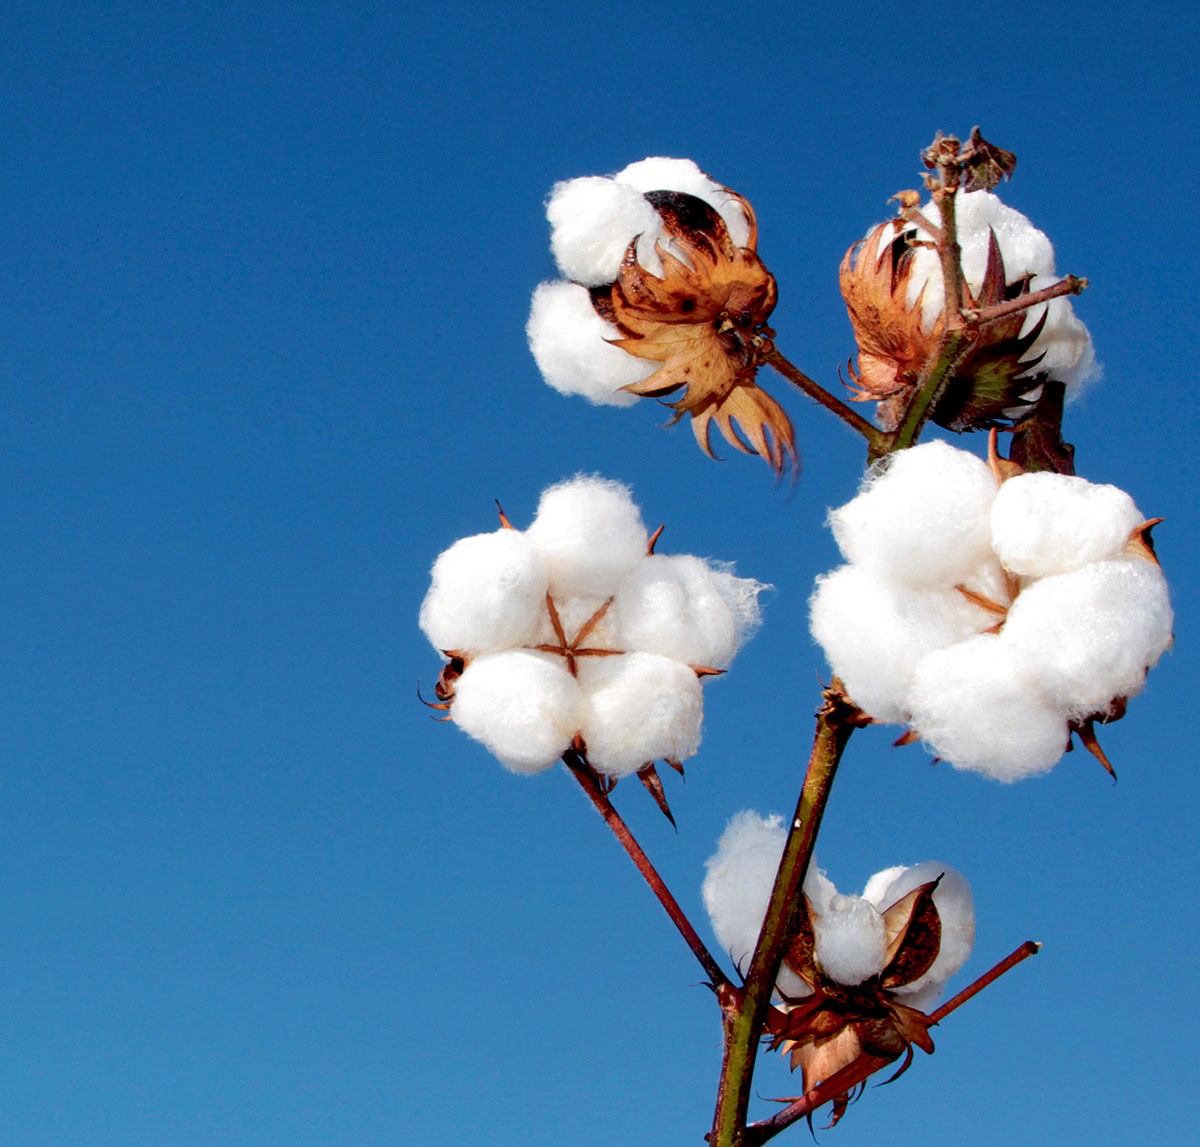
681 316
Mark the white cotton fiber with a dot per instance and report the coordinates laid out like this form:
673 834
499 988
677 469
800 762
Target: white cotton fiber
683 607
977 706
487 593
570 343
1091 635
591 535
1064 340
659 173
850 940
524 706
641 707
737 885
593 220
956 909
921 517
874 633
1048 523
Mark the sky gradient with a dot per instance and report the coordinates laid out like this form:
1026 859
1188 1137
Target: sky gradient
267 273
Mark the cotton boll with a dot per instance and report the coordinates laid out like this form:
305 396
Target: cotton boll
683 607
570 343
593 221
659 173
1091 635
874 633
956 909
737 886
591 535
641 707
850 940
573 614
487 593
920 518
977 706
524 706
1048 523
738 881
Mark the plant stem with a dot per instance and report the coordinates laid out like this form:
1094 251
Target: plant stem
744 1012
860 1069
1071 285
819 394
590 784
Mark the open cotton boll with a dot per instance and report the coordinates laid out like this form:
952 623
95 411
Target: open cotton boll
956 909
1090 636
487 593
874 633
738 880
1048 523
850 940
659 173
976 705
591 535
569 343
921 517
683 607
524 706
641 707
593 220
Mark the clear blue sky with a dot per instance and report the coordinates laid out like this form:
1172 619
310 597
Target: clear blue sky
267 268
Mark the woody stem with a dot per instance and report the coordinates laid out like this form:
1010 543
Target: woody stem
590 784
744 1012
860 1069
819 394
1071 285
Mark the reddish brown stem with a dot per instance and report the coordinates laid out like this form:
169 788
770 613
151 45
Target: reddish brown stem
1071 285
588 781
1029 948
819 394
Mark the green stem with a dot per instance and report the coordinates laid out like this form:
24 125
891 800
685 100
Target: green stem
744 1012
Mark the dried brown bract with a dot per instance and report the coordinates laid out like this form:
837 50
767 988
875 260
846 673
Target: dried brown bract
705 320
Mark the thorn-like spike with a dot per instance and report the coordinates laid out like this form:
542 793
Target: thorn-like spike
649 777
654 539
1086 732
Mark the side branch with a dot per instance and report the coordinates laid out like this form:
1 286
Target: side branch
772 356
590 784
745 1011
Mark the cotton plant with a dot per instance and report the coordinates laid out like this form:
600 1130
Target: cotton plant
993 609
575 635
990 610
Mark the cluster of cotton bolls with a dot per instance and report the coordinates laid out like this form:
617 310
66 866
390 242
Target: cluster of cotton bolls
848 931
593 220
990 620
572 628
1064 344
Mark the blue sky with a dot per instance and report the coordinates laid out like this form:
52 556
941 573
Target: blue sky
267 271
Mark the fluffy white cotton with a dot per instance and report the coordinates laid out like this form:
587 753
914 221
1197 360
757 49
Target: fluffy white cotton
737 885
686 608
920 517
875 632
1064 340
593 220
487 593
1047 523
659 173
524 706
1090 636
956 909
641 707
977 705
570 343
850 940
590 534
